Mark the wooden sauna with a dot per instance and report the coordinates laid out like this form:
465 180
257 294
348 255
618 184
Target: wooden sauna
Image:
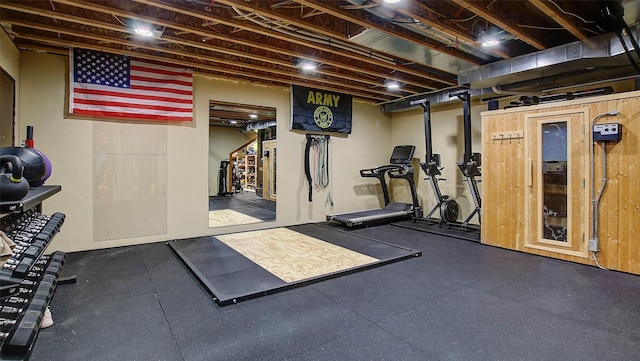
537 189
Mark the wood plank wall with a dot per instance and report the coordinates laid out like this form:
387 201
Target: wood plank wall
504 189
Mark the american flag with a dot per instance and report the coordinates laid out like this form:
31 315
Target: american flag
118 86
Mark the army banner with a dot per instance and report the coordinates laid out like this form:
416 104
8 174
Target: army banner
320 110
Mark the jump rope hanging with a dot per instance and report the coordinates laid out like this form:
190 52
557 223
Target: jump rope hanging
316 162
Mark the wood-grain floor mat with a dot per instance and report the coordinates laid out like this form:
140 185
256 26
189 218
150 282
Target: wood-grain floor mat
228 217
240 266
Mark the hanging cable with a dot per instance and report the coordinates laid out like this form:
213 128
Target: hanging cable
307 169
321 163
329 199
316 162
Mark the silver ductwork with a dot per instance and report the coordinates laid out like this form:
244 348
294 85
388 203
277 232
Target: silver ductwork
594 59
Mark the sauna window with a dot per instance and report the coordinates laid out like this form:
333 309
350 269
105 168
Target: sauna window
554 181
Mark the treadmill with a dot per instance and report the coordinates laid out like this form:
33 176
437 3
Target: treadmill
399 168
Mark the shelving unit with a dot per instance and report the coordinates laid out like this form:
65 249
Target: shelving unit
28 279
242 169
250 171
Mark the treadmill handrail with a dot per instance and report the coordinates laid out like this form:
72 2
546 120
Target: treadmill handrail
379 172
374 172
404 172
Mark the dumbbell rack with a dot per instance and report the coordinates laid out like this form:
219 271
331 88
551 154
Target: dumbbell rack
28 279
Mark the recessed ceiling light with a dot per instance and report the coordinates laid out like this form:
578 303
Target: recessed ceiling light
307 64
392 1
490 42
253 116
392 85
233 122
143 31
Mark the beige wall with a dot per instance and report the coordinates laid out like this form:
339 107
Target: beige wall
70 144
448 141
10 62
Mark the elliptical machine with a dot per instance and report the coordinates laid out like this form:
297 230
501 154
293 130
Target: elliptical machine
471 162
447 207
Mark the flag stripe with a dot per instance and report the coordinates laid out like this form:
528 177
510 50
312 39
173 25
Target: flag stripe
109 85
157 65
105 94
161 88
111 107
138 91
138 106
160 70
138 113
107 114
161 80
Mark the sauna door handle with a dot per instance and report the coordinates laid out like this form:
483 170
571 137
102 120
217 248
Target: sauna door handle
530 173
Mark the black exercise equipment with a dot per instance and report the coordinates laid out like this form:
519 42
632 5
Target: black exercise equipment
400 168
236 182
431 166
13 186
222 178
528 100
34 165
314 140
471 162
29 143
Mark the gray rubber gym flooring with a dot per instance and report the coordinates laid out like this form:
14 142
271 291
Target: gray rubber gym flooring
460 301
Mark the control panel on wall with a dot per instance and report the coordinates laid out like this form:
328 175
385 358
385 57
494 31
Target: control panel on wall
608 132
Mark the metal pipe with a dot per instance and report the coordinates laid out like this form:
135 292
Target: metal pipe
595 201
604 184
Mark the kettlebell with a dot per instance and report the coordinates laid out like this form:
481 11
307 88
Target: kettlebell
13 187
33 164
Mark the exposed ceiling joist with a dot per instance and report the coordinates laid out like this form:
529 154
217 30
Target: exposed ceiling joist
357 45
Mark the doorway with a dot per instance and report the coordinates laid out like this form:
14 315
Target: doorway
237 133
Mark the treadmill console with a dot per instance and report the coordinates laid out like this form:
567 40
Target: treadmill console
402 154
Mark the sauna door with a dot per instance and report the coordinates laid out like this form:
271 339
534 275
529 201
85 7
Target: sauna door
556 218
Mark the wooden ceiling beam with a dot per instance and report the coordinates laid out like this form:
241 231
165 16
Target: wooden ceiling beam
200 32
558 17
369 59
390 29
513 30
277 75
342 15
203 46
363 92
413 11
61 16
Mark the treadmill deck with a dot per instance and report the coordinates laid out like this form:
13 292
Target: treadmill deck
391 213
